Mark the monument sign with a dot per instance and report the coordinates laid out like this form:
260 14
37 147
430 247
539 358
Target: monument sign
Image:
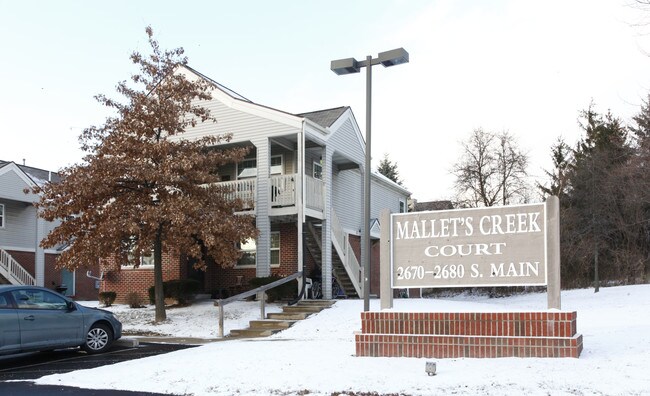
496 246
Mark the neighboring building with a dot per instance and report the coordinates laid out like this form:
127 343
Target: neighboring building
22 259
431 205
303 176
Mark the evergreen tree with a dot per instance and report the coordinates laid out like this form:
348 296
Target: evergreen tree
562 160
389 169
596 216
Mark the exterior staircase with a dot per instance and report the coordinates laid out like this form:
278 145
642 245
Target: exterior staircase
313 242
276 322
12 272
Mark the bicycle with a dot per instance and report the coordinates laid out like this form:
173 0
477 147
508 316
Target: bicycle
317 289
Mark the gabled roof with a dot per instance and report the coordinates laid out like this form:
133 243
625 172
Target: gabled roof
220 86
325 118
243 104
38 176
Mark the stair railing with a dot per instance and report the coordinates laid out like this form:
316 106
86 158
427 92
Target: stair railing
350 262
259 291
13 271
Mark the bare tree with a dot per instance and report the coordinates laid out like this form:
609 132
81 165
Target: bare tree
512 165
491 170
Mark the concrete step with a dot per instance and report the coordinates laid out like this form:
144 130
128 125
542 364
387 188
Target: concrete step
252 333
279 321
316 303
288 315
309 309
271 324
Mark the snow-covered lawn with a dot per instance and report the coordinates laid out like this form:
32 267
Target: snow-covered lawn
200 320
316 356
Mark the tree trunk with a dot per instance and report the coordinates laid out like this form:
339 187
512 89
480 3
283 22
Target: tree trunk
161 315
596 278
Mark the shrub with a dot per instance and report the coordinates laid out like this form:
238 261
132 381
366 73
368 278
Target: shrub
134 300
179 289
107 298
288 290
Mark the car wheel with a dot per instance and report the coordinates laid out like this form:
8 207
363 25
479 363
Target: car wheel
98 339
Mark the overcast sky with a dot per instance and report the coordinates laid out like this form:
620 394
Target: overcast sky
528 67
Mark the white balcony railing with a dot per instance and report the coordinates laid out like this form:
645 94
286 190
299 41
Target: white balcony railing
241 189
282 190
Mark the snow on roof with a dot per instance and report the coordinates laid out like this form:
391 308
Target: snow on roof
37 175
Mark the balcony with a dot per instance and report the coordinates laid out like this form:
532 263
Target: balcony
282 193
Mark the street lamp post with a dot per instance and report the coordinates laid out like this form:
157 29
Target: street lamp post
348 66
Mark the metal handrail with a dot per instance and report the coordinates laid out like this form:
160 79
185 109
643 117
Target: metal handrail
259 290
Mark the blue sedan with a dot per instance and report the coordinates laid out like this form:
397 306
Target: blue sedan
38 319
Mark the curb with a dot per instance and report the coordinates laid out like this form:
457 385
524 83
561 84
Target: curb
127 342
173 340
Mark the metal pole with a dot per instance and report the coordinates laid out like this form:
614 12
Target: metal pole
220 319
262 297
366 206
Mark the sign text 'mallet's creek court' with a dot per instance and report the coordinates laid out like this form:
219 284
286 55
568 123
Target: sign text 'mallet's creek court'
496 246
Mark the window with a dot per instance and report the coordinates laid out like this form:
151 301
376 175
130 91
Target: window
38 299
402 206
317 171
2 216
146 259
276 165
247 168
4 302
275 248
249 251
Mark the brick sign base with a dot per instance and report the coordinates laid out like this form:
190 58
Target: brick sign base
469 335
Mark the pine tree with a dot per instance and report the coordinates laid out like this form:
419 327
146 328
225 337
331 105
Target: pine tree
141 187
562 160
596 215
389 169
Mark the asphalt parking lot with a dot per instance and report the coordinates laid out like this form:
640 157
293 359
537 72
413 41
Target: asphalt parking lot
36 365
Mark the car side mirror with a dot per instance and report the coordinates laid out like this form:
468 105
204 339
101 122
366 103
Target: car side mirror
70 305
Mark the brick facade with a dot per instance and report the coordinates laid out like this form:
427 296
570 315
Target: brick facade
217 281
84 288
25 259
469 335
128 279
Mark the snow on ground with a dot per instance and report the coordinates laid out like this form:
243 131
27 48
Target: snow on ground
201 320
316 356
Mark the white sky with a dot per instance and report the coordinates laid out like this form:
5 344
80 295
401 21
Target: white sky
528 67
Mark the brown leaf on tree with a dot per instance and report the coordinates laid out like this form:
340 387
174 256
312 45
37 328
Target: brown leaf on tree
141 186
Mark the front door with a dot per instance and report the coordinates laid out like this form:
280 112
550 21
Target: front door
196 274
67 282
